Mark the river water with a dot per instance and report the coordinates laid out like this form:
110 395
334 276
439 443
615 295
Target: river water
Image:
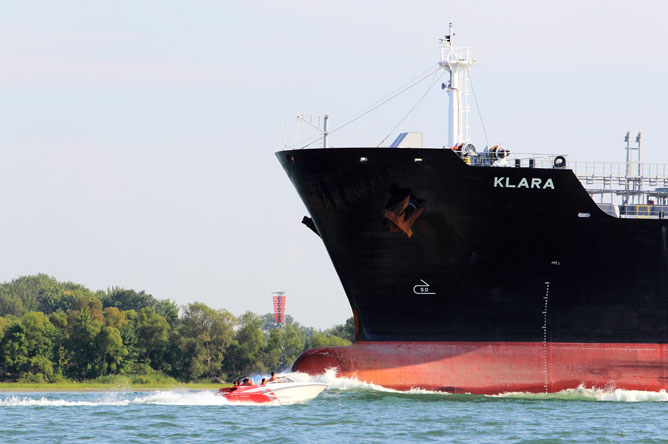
348 411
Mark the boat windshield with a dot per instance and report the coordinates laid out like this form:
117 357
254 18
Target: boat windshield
282 379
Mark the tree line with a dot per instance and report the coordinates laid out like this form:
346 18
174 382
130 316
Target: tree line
53 331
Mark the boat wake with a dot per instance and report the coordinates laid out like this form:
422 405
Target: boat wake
339 383
167 397
336 388
593 394
162 397
581 393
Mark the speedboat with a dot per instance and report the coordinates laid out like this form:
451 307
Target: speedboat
282 391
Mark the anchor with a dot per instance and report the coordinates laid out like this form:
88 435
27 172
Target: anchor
399 218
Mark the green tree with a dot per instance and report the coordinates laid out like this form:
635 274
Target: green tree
39 293
293 345
14 346
10 304
31 290
113 317
87 334
283 346
325 340
167 309
28 347
110 349
206 334
247 353
345 331
78 299
128 331
83 330
152 335
127 299
61 355
56 296
171 356
4 323
272 351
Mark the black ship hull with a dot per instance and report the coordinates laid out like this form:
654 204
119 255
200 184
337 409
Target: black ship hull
500 262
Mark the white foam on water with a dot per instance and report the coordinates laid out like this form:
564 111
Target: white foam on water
167 397
632 396
338 383
582 393
178 397
15 401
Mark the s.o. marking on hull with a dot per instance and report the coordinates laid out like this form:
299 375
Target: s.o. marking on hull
524 182
422 288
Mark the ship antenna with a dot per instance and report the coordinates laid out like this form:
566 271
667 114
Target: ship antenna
457 62
633 180
309 118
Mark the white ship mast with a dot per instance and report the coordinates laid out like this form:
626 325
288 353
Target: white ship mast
457 61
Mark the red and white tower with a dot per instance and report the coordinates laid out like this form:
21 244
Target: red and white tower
279 306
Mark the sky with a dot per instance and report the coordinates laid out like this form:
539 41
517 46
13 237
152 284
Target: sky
137 138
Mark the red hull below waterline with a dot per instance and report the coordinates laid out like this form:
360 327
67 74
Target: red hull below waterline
494 367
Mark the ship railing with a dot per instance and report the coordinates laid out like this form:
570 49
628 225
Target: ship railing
649 173
643 211
519 160
609 174
632 211
457 54
531 160
633 190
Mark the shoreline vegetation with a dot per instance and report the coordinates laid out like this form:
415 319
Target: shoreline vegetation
92 386
62 336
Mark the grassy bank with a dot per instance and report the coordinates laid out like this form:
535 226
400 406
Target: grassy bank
110 383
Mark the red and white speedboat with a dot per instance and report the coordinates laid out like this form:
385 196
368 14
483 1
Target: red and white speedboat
282 391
